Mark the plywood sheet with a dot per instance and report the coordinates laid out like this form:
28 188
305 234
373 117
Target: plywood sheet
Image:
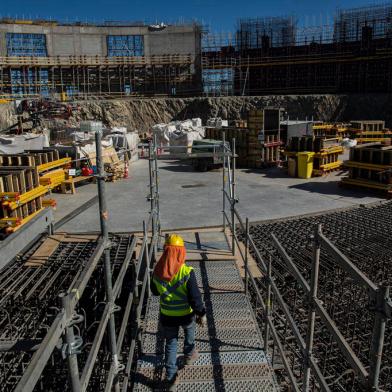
42 254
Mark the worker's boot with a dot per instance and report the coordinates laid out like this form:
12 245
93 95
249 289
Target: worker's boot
171 385
191 358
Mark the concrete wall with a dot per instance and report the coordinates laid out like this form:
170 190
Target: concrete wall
92 41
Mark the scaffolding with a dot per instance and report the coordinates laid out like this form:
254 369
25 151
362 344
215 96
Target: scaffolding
274 55
86 76
256 33
361 23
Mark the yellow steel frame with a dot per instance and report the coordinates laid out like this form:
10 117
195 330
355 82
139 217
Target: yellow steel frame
327 167
49 203
16 223
53 164
367 184
367 166
15 202
371 139
331 150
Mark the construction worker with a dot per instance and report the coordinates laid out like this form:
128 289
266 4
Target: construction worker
181 304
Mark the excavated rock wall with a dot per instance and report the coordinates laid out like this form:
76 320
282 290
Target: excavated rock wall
7 115
142 113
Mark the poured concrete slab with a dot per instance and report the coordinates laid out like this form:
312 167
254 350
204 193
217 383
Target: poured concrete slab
262 194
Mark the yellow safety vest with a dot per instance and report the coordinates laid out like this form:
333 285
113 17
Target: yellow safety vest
174 294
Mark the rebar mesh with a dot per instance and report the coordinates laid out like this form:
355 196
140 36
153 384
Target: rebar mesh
364 235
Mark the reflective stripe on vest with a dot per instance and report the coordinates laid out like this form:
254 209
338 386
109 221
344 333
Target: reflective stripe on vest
174 295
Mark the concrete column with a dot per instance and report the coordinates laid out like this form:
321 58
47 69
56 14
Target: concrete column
3 44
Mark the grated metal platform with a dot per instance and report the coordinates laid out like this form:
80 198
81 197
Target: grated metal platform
231 355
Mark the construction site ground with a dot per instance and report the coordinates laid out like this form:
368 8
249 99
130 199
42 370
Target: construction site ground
193 199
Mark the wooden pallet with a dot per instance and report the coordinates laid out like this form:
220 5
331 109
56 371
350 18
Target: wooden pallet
18 179
69 184
30 158
115 171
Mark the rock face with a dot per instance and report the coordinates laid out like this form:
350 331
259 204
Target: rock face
7 115
142 113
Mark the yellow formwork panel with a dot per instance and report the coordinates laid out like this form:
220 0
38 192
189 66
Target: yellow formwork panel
330 150
367 184
331 166
14 202
53 179
53 164
367 166
15 223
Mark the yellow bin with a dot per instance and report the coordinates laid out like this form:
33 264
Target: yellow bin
305 164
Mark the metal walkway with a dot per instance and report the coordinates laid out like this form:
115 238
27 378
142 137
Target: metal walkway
231 355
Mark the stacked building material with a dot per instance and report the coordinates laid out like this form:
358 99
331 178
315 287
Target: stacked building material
20 197
368 125
370 166
362 137
24 180
327 130
324 153
114 167
264 137
258 139
51 167
370 131
241 136
365 131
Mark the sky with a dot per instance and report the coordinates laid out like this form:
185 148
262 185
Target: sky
220 16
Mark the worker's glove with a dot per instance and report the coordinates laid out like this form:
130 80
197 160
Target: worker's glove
201 321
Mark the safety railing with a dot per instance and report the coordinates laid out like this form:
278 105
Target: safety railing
183 151
34 61
262 297
62 332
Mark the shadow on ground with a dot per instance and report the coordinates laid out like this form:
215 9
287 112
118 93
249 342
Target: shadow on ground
270 172
184 167
331 188
178 166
